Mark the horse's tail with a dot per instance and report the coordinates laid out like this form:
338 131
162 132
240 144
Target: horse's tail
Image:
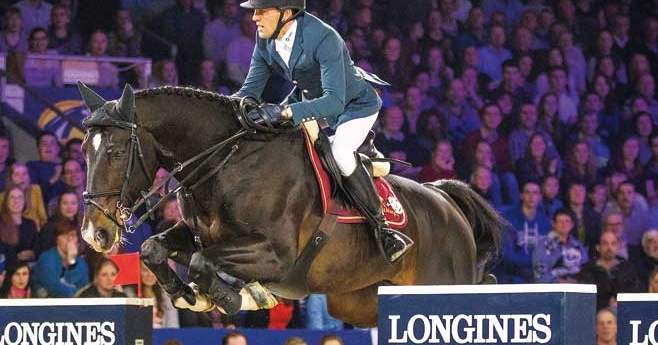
488 226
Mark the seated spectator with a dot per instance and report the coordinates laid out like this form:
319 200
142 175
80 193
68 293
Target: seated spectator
490 116
474 92
126 39
295 341
481 181
317 316
62 36
34 208
610 272
284 316
67 213
239 51
6 160
36 13
432 128
73 150
41 72
108 73
392 139
550 190
647 260
559 256
105 273
422 82
331 339
567 103
606 327
494 53
653 281
17 233
234 338
636 220
442 164
220 31
549 119
61 271
411 106
164 73
462 118
642 129
73 178
597 197
13 36
392 67
46 171
627 161
208 79
588 125
164 313
519 243
580 164
440 74
587 227
574 59
520 135
18 282
536 163
511 84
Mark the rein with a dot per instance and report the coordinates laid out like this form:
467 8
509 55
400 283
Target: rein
249 126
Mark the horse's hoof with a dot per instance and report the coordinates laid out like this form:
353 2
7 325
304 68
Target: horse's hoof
199 303
263 297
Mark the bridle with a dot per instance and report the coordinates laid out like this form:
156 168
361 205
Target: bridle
241 106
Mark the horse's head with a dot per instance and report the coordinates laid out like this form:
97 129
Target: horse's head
119 162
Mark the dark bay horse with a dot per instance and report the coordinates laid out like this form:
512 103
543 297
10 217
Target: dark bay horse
251 216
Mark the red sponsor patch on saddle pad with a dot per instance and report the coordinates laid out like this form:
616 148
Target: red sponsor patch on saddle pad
396 216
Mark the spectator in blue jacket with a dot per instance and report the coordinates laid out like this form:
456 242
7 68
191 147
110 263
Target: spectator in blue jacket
528 224
61 271
559 256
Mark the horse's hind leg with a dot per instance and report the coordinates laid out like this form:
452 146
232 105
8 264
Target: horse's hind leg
176 243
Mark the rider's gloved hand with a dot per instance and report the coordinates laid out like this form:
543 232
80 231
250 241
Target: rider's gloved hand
271 111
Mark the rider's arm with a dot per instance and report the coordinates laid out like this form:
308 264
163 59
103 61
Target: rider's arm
329 54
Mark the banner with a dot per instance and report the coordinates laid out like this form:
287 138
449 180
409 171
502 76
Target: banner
76 321
483 314
68 101
637 318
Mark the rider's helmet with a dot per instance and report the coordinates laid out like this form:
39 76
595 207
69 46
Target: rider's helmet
282 4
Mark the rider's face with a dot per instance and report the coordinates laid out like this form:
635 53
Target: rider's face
266 20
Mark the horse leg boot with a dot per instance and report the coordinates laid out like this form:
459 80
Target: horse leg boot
361 189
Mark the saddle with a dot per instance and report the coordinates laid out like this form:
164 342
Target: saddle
330 180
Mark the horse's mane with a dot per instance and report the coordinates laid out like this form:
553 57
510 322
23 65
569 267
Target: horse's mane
184 91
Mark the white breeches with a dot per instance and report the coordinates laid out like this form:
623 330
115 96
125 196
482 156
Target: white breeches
349 136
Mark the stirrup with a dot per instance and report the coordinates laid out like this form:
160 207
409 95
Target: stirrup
402 241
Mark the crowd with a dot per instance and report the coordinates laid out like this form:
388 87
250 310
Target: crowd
549 106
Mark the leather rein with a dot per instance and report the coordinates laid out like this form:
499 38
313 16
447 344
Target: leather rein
241 106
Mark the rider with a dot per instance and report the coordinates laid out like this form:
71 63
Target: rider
312 55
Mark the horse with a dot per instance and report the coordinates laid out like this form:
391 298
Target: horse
250 205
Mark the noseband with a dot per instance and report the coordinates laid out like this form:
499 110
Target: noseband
241 106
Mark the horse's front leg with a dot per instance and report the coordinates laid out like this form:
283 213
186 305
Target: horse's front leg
250 258
176 243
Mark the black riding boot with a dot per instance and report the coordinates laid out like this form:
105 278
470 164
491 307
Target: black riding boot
391 243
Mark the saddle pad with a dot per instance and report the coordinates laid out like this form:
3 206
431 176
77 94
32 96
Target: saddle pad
396 216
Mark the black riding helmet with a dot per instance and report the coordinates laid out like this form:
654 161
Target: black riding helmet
299 5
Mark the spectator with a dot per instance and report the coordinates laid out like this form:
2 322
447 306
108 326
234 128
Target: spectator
606 327
392 139
474 32
41 72
62 36
18 282
494 53
164 313
511 84
519 243
392 67
550 189
73 179
520 136
474 95
549 119
411 106
627 161
536 163
208 79
513 9
653 281
36 13
481 180
603 48
294 341
647 261
219 32
431 128
610 272
61 271
580 164
635 215
6 160
14 36
284 315
462 117
588 125
439 72
126 39
598 197
609 116
183 17
17 233
441 165
164 73
73 150
67 214
234 338
479 81
587 229
317 315
422 82
103 286
108 73
567 106
575 60
331 339
34 208
238 51
490 116
559 256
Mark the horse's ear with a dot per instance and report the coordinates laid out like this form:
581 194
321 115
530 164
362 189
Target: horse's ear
126 104
91 98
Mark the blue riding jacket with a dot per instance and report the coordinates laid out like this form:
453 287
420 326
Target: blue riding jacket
327 84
